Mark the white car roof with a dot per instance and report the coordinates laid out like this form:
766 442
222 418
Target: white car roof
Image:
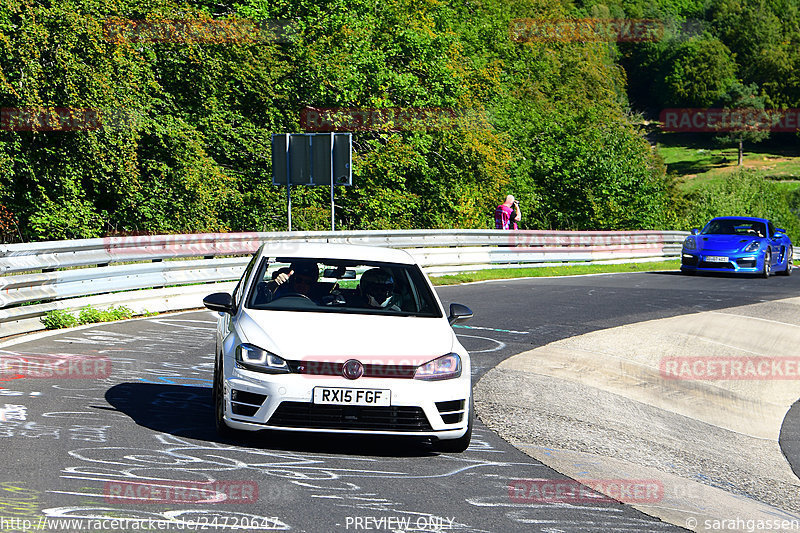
336 251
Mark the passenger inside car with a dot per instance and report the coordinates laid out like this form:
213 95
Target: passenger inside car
376 290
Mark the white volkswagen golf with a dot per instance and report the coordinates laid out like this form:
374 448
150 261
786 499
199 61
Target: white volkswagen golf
340 339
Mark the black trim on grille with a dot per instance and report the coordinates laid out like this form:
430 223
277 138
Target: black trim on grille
246 403
314 416
452 411
689 261
247 397
720 266
324 368
244 410
746 263
448 407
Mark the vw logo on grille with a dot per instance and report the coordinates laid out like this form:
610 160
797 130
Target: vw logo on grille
353 369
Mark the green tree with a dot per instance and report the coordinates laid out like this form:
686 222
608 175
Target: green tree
755 127
699 71
764 36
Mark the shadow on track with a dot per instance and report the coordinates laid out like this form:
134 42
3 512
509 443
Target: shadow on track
727 275
186 411
790 438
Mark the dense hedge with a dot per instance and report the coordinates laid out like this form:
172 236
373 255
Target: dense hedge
744 194
185 142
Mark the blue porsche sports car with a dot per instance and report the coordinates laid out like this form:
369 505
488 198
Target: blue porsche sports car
740 245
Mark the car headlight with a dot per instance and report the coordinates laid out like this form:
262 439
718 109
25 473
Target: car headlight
444 367
689 244
753 246
254 358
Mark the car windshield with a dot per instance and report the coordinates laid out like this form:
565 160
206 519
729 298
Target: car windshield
749 228
341 286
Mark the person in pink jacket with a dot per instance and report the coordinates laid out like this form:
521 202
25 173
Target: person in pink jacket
504 216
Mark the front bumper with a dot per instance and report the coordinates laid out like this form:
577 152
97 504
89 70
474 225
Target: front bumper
737 262
284 402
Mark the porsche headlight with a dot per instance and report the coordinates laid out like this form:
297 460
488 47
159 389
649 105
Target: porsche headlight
444 367
254 358
689 244
753 246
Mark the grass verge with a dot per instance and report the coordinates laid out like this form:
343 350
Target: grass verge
697 160
567 270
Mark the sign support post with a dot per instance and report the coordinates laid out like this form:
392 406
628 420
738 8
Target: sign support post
333 206
288 185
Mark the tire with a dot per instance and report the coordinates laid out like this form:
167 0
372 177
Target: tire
789 263
462 443
765 272
218 397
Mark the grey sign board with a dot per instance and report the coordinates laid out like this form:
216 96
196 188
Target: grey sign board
309 158
312 159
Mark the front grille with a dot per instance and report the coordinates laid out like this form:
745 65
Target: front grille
689 260
323 368
706 264
746 263
314 416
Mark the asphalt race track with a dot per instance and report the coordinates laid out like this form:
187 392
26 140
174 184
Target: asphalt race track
85 448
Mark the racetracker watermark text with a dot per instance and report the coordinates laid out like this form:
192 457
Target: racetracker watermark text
59 366
724 120
195 31
585 491
326 119
730 368
65 119
198 244
585 30
181 492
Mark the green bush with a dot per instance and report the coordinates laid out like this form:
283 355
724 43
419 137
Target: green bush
745 194
58 319
88 315
117 313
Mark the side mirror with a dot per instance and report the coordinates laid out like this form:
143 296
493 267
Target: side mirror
458 313
695 231
219 301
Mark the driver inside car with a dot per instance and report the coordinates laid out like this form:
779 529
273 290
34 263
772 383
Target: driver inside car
299 279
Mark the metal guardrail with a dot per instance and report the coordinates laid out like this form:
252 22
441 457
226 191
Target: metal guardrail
171 272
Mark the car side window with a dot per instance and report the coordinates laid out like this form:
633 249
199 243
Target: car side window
771 230
239 290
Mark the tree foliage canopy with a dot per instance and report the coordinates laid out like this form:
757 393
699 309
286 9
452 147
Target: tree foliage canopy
187 114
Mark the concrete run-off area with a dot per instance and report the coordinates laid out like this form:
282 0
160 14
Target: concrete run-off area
693 403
